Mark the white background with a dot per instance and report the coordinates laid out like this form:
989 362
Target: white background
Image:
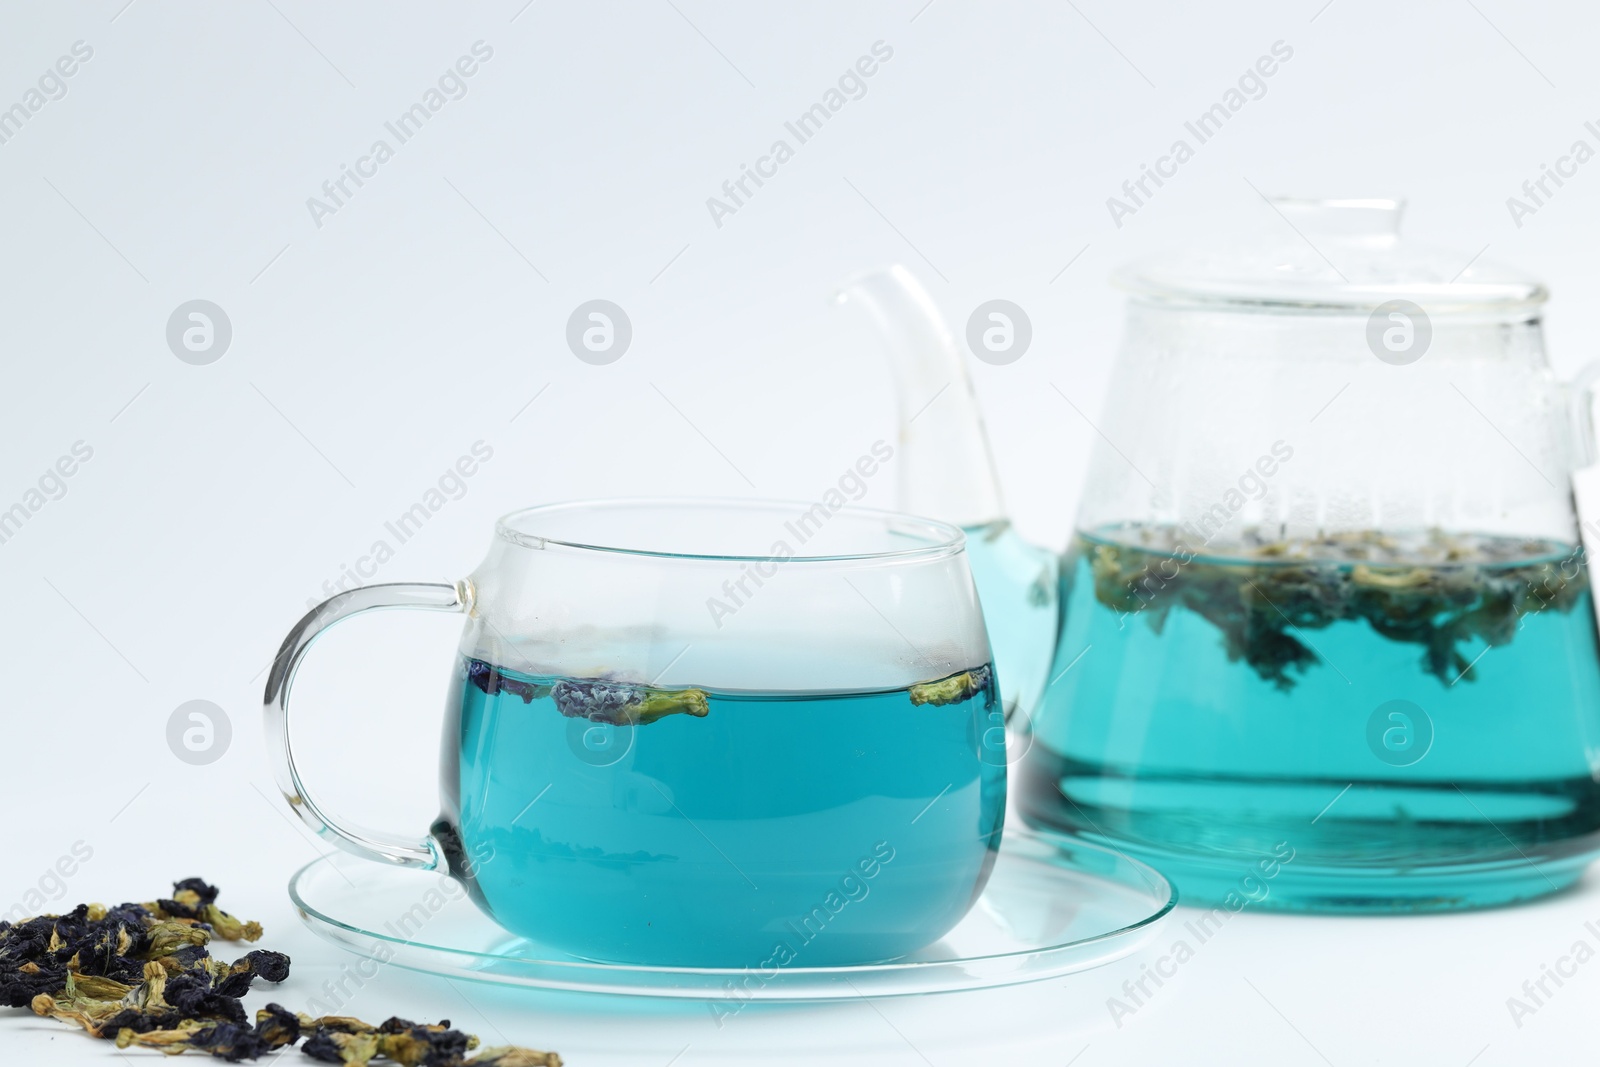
369 353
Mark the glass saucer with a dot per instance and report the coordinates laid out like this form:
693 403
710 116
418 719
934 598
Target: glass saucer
1053 907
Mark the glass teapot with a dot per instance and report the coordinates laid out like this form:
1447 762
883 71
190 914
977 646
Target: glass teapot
1325 637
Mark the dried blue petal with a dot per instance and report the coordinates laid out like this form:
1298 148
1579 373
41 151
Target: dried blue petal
190 896
231 1042
320 1046
595 701
490 679
277 1025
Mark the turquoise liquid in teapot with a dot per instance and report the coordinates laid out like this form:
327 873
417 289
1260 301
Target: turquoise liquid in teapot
1388 705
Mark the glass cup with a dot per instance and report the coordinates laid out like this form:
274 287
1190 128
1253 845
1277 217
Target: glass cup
704 733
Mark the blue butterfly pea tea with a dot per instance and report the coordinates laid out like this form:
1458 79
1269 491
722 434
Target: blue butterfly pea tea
618 822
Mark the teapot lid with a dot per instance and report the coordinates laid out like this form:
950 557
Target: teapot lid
1336 254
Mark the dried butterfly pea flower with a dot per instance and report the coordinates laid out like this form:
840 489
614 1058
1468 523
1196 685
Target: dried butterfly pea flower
196 996
143 976
341 1039
19 987
188 896
491 680
98 987
227 927
259 963
332 1046
625 704
225 1041
659 703
137 969
277 1025
1433 589
617 703
335 1039
170 937
597 701
952 690
195 901
423 1046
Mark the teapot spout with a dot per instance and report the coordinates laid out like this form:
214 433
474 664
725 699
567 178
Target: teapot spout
946 468
947 472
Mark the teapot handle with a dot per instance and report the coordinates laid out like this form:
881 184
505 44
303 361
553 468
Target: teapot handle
424 852
1581 398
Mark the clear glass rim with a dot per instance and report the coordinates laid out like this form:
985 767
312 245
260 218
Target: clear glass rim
1455 299
1439 302
939 538
1221 274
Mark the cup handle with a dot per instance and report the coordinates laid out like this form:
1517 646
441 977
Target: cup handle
423 852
